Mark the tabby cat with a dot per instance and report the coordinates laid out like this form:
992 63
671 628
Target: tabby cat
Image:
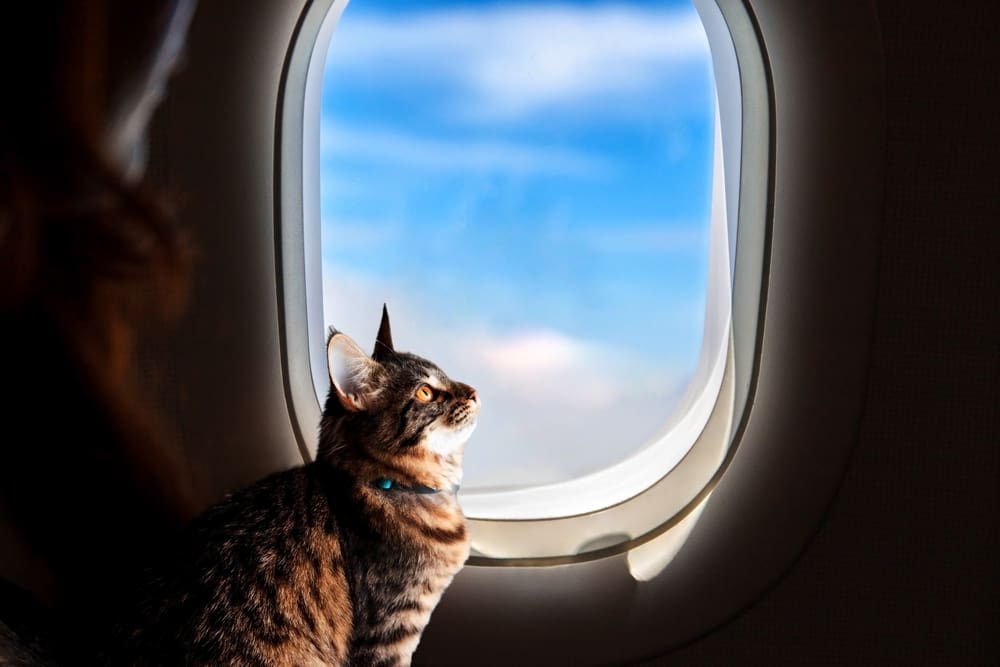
340 561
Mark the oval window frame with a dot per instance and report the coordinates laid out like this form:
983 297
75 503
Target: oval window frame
727 363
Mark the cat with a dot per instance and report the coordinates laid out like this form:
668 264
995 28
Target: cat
338 562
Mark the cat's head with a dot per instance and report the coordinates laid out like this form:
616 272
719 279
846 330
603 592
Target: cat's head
394 407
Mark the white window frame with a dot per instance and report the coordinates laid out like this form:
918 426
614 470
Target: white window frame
644 500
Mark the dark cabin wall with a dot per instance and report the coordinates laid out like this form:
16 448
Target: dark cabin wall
904 570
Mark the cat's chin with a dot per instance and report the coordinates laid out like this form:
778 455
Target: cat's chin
449 441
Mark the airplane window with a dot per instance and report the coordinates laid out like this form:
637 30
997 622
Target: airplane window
529 187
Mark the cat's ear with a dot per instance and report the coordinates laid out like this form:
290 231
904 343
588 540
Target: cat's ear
383 341
350 371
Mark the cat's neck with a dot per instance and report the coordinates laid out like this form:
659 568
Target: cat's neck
426 475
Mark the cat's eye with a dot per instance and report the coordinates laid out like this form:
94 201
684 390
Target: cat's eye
424 394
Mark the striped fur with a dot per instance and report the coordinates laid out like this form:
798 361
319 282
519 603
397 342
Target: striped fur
320 565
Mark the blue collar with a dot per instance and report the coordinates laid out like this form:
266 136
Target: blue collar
386 484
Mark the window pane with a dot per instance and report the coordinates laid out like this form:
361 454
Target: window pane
527 186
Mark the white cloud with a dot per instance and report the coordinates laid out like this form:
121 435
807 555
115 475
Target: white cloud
398 148
566 371
533 353
512 61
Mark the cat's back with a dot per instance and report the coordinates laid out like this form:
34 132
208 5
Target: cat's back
259 579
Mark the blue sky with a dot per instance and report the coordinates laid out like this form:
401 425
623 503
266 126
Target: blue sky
528 186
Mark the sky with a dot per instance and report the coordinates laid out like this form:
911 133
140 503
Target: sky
527 186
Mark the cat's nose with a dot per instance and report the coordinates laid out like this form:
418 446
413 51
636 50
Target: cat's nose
469 393
473 396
